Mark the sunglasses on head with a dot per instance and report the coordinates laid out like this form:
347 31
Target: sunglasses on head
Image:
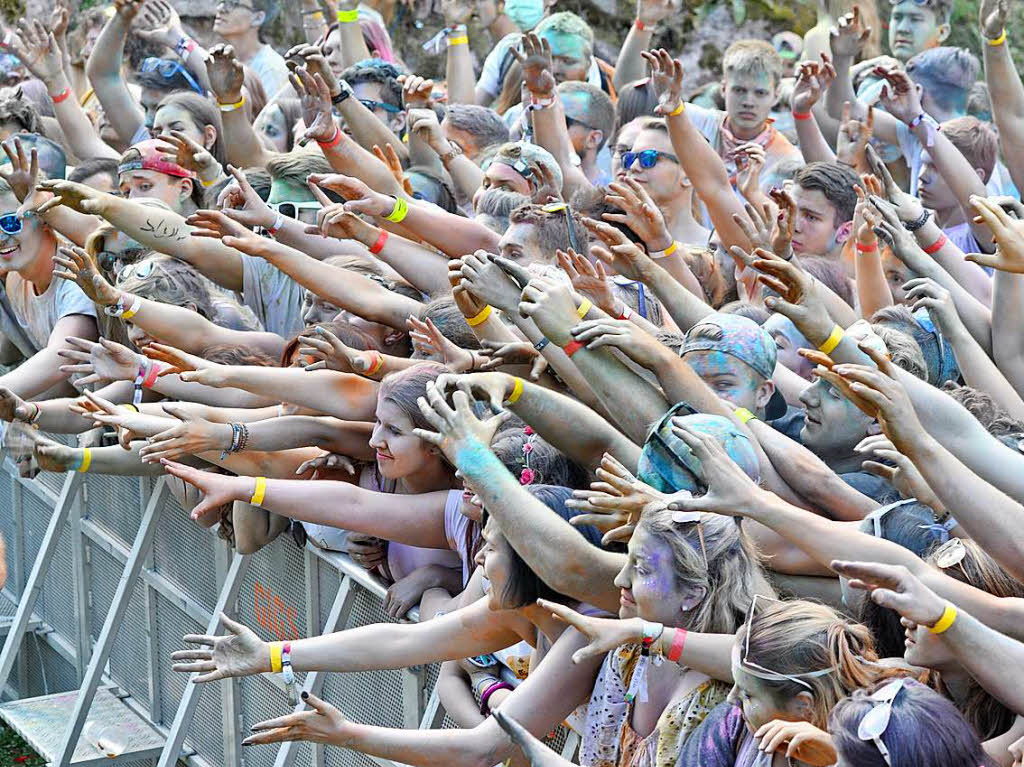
167 69
648 158
291 209
375 105
766 673
11 223
876 721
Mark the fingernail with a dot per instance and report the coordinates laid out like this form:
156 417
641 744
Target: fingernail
305 695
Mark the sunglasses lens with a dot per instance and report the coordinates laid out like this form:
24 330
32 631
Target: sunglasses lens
628 158
648 158
288 209
875 721
11 223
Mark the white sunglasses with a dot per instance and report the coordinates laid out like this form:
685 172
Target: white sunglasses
766 673
875 721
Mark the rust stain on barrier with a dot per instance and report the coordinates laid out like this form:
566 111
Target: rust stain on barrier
272 614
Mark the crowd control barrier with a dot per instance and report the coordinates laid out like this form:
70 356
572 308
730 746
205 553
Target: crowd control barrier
105 576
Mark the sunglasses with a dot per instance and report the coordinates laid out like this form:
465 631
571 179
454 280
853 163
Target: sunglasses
291 209
648 158
570 121
766 673
875 721
11 223
114 262
168 69
375 105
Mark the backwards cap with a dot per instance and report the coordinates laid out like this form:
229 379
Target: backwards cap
146 155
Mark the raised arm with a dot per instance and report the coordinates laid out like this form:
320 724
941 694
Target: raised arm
243 147
41 371
1004 86
550 546
630 66
104 71
812 80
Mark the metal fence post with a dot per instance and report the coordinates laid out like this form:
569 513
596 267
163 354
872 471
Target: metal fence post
34 584
147 529
189 701
83 637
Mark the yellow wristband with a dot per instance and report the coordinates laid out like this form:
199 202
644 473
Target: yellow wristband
275 656
744 415
231 107
832 341
130 407
208 184
585 307
460 40
259 492
998 41
678 110
517 392
399 212
347 17
86 461
482 317
948 619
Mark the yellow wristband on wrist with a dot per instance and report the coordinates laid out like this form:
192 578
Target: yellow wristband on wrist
208 184
832 341
678 110
460 40
481 317
130 407
348 17
744 415
399 212
259 491
998 41
517 392
584 307
231 107
86 461
948 619
275 656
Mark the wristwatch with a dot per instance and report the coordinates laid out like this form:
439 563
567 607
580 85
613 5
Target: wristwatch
344 93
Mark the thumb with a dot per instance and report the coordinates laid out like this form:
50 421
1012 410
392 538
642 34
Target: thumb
233 626
316 703
177 412
587 652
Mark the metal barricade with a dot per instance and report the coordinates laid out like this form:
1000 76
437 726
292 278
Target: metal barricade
105 576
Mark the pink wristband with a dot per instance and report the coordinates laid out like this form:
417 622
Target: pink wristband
333 141
151 375
62 96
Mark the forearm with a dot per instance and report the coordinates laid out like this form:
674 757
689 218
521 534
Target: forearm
552 134
466 175
630 65
78 130
345 437
685 307
993 659
424 268
1008 326
813 145
353 46
709 654
104 72
989 515
980 372
36 375
548 412
351 159
343 288
458 69
873 291
367 129
451 234
345 396
74 225
1007 97
710 179
167 232
242 145
841 90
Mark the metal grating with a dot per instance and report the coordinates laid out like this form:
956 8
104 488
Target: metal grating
48 671
56 604
184 553
114 504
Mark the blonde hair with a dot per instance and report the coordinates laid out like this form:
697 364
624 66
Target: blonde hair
798 637
752 57
731 576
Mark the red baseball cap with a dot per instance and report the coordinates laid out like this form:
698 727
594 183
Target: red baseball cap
151 158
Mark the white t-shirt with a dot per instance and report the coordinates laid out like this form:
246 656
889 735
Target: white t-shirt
270 68
274 297
38 314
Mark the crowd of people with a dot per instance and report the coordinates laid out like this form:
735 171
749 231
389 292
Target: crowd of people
688 415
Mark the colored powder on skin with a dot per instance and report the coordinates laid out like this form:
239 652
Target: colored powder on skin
475 460
661 578
565 45
576 105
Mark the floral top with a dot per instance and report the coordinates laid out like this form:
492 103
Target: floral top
608 738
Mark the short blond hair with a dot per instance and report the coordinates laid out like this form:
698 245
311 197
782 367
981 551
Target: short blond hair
752 57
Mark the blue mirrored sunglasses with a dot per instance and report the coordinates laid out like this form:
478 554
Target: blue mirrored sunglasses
11 223
648 158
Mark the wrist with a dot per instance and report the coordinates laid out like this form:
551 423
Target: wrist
659 243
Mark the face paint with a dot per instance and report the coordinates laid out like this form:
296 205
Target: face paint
729 378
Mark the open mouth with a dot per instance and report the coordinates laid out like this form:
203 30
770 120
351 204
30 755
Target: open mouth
8 249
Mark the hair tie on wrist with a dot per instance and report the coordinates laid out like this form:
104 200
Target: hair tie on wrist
481 317
832 341
259 491
378 246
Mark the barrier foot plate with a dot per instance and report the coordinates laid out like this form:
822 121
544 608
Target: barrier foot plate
113 733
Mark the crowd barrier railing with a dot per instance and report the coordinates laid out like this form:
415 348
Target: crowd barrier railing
105 576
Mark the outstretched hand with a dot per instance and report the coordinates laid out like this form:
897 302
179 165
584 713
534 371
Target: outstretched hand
894 587
239 652
615 502
459 431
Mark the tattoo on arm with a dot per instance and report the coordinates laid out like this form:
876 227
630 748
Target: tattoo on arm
162 231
